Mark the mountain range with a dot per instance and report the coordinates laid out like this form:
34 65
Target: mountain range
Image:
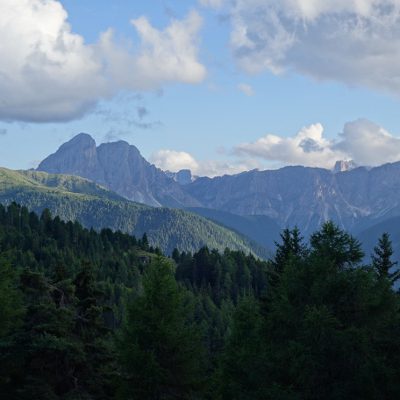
117 187
74 198
353 197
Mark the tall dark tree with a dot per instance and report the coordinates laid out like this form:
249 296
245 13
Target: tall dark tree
382 259
160 348
290 249
10 298
243 373
96 371
331 332
11 313
46 348
337 246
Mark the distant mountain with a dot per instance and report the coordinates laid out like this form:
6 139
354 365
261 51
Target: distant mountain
260 228
119 167
183 177
370 236
306 197
74 198
354 198
343 165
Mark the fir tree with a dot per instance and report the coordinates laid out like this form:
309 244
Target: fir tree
160 348
382 259
337 246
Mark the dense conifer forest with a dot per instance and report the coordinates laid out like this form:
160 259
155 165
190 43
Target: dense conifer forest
103 315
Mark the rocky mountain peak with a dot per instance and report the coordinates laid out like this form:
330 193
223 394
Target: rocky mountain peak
75 157
119 167
183 177
344 165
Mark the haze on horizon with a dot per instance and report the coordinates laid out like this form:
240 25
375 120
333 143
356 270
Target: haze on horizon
215 86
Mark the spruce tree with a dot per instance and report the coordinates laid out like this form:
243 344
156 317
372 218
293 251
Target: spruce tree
243 371
382 259
290 249
337 246
160 348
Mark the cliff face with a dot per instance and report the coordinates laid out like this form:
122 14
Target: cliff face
306 197
119 167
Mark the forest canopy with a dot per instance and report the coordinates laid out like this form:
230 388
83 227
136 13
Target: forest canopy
103 315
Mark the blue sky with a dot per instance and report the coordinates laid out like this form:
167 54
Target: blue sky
247 90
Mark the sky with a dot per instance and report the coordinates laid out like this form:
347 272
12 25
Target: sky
217 86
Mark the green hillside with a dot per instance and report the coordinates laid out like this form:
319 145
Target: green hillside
74 198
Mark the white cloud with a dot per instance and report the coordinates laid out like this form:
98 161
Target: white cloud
368 143
49 73
174 161
246 89
171 160
362 141
352 41
307 147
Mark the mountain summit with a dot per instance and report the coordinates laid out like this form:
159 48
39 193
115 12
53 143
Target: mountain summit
120 167
344 165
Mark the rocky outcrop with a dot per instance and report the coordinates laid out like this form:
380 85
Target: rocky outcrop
119 167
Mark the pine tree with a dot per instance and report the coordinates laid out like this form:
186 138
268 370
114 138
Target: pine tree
11 314
95 372
290 249
382 259
160 348
10 299
337 246
243 373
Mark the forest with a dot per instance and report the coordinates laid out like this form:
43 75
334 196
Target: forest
88 314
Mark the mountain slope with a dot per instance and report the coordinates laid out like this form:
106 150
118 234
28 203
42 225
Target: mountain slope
370 236
119 167
74 198
306 197
259 228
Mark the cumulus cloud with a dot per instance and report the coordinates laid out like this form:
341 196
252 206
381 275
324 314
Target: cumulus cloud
246 89
352 41
307 147
49 73
174 161
368 143
362 141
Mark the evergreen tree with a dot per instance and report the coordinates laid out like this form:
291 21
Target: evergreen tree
10 299
48 352
243 371
95 372
331 332
11 314
382 259
337 246
289 250
160 348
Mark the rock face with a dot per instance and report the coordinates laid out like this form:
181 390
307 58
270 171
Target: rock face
307 197
119 167
183 177
342 166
